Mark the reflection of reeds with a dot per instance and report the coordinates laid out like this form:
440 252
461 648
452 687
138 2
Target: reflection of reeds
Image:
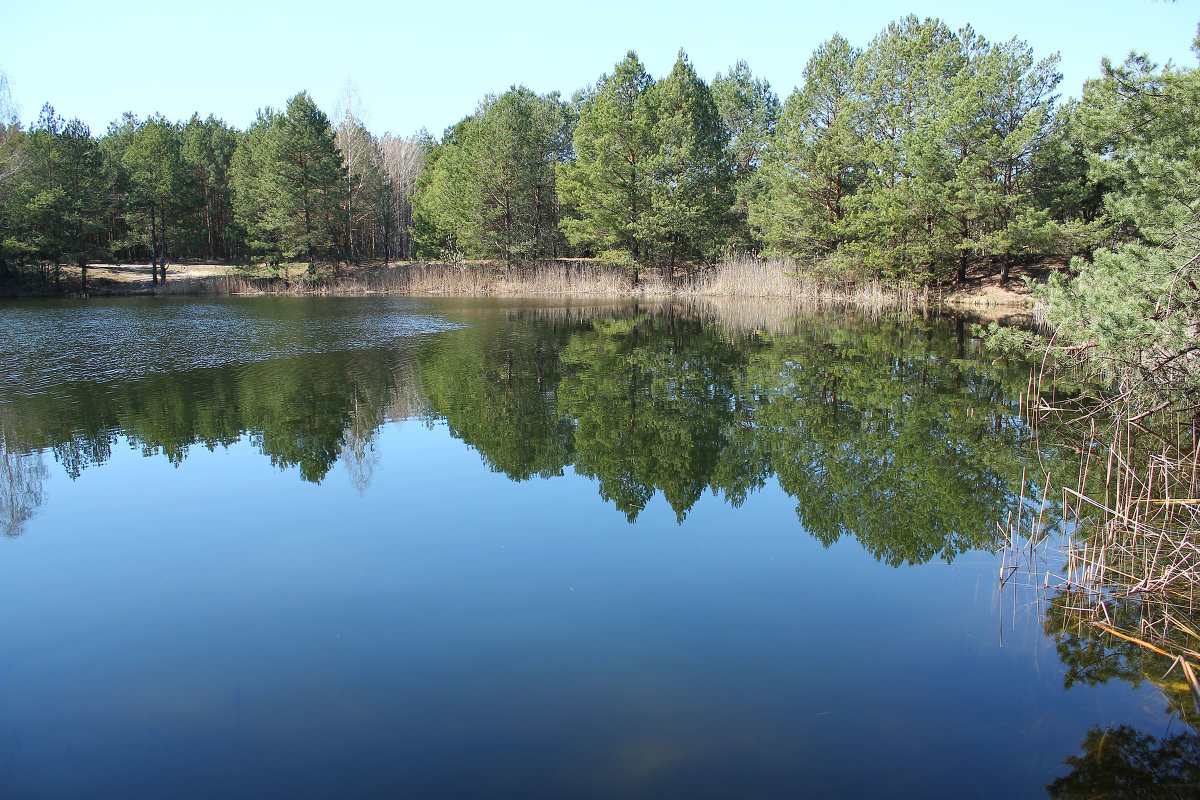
778 315
1131 541
738 316
1141 536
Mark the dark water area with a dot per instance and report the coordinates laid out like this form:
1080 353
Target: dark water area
368 547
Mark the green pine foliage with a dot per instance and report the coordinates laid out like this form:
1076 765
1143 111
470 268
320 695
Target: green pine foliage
607 186
54 209
1134 308
652 177
692 187
915 157
489 188
207 149
251 186
307 174
750 113
288 175
158 193
815 162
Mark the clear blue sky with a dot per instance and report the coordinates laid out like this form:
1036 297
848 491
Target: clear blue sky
428 64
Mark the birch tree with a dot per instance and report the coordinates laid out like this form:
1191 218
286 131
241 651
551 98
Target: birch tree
360 166
402 159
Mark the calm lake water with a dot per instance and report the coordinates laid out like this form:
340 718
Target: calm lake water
389 547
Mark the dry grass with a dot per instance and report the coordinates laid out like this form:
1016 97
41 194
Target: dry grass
780 278
738 275
1128 564
735 277
556 279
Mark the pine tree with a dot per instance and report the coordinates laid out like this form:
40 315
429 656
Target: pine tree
1135 306
815 164
490 190
208 147
250 179
287 179
82 178
905 80
156 202
608 185
998 121
309 174
692 190
56 209
750 112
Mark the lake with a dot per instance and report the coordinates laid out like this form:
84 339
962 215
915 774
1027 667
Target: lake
322 547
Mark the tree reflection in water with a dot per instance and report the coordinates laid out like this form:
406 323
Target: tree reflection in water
1122 763
893 432
21 492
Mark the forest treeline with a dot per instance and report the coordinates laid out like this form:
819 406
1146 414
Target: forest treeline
290 187
922 153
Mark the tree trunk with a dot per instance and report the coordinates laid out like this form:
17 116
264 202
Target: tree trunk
386 221
408 232
1005 265
162 256
211 226
153 248
312 264
537 220
350 258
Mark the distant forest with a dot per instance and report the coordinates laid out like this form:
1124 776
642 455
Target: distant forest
922 153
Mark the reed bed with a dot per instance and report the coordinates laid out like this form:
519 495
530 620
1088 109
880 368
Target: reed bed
1125 560
782 278
737 276
551 279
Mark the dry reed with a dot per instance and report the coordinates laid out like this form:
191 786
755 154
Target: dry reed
734 277
781 278
1128 562
555 279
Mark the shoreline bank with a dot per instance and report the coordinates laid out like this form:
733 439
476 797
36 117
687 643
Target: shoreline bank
740 278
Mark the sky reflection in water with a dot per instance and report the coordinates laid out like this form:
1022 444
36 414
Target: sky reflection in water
475 550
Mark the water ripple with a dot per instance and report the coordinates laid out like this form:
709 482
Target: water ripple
48 344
